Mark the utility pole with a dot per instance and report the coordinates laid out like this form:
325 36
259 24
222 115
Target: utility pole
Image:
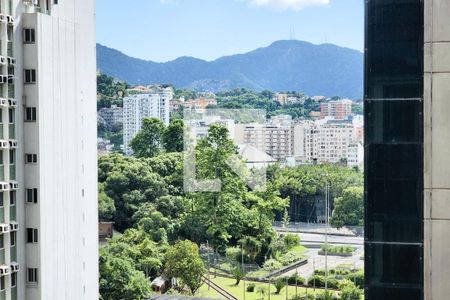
327 191
296 283
287 287
242 266
209 267
314 279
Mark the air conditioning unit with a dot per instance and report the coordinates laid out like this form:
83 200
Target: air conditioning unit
3 18
15 267
14 226
11 61
10 19
12 102
4 186
4 228
2 60
13 185
13 144
3 79
4 102
11 79
4 270
4 144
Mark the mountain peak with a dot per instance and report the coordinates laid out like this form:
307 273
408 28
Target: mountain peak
285 65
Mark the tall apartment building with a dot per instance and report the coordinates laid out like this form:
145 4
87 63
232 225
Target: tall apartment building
140 106
328 142
112 115
48 167
338 109
275 137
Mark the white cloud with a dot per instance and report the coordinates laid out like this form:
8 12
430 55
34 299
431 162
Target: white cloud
288 4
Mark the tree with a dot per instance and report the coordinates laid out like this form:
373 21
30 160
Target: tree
106 207
119 279
279 283
237 273
349 208
184 263
173 136
350 292
147 143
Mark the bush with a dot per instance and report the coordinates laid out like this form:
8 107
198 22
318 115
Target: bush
319 281
279 284
326 295
238 274
350 292
289 258
336 249
293 279
272 265
233 254
291 241
303 297
251 287
357 278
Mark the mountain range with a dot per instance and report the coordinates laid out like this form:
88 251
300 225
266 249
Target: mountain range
288 65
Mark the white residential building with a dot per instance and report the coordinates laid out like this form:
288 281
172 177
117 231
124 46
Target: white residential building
48 155
112 115
199 127
355 155
138 107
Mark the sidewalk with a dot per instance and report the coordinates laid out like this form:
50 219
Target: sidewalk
318 229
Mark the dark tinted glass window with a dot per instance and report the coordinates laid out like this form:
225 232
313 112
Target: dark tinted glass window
394 43
398 265
393 121
393 293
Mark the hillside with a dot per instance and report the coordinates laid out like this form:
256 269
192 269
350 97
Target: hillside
325 69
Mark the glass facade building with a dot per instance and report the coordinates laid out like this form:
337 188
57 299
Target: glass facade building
393 102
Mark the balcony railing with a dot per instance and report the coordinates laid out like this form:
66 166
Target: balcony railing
14 293
12 172
1 131
2 173
12 213
2 215
12 131
3 295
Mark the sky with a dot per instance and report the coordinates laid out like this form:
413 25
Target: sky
163 30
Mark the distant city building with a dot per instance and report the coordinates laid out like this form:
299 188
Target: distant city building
338 109
140 106
355 155
104 147
199 128
198 105
285 99
254 157
112 115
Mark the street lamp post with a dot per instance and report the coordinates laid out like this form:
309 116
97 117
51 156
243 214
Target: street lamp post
327 195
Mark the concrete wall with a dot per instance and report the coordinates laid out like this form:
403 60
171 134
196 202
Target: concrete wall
437 150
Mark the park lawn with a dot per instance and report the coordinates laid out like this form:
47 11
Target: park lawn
238 291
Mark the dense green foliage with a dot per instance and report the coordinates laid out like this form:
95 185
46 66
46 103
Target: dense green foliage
148 141
242 98
183 262
110 91
349 207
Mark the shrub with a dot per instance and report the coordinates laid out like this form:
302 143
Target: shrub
279 284
237 273
272 265
357 278
319 281
326 295
350 292
251 287
233 254
336 249
293 279
291 241
289 258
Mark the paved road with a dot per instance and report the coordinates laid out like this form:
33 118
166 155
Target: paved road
332 239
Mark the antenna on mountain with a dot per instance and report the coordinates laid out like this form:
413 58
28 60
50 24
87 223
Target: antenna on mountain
292 33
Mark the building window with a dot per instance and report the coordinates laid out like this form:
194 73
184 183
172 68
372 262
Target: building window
30 76
30 114
13 279
2 283
32 275
32 235
2 242
12 235
29 36
30 158
12 157
32 196
1 199
11 116
12 198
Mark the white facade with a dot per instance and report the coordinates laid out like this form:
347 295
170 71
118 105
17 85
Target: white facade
112 115
355 155
138 107
48 149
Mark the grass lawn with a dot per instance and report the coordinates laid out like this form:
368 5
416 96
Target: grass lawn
238 291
